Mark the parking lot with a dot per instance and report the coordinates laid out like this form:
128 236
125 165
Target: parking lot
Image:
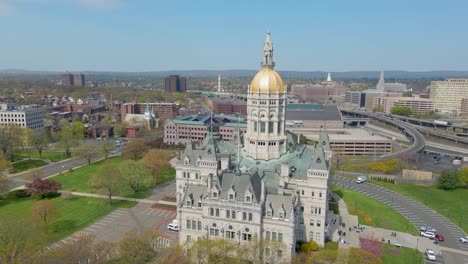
141 217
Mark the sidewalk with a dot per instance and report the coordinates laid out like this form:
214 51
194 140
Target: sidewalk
146 201
349 221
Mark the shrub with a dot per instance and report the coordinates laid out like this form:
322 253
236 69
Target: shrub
18 194
310 246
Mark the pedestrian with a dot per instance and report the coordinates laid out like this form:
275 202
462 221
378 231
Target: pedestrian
349 229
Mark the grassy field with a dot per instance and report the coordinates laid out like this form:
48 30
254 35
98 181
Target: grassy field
451 204
373 213
27 164
53 156
78 179
393 255
391 166
74 213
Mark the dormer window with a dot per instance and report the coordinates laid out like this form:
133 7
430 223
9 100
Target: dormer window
199 204
186 161
319 160
281 215
269 213
247 199
215 195
231 197
189 203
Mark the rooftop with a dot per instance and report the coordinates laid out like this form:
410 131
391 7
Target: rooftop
312 112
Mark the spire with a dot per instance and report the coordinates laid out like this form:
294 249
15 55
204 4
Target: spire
329 77
381 83
268 53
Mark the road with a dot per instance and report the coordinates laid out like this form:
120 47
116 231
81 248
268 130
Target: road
417 213
51 169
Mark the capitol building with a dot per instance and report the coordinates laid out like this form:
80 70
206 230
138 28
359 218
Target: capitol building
260 185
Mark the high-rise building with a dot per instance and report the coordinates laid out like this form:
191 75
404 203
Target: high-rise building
175 83
162 110
79 79
69 79
447 95
263 186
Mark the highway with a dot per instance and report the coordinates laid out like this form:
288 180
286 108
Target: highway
417 213
418 140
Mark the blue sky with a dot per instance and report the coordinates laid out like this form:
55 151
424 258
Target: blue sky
309 35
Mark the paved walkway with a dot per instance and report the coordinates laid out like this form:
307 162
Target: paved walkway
145 201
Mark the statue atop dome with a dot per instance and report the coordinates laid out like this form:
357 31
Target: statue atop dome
268 53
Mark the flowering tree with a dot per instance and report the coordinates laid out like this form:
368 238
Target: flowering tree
43 187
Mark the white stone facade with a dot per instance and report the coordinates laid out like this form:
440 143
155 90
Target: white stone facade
272 192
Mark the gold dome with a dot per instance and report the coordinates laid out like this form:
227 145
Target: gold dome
267 80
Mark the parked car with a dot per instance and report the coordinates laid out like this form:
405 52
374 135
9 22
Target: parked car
430 254
427 234
361 179
439 237
464 239
427 228
173 227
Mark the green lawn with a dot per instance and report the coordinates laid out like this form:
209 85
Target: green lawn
53 156
394 255
451 204
74 213
374 213
78 179
27 164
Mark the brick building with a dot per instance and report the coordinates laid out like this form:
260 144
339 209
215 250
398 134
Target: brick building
175 83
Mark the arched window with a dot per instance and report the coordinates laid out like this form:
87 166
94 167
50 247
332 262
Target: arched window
211 211
244 216
228 214
250 216
217 212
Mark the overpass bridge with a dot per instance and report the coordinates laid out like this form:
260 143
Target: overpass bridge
416 138
356 117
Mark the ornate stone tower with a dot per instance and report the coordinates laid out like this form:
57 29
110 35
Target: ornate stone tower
265 138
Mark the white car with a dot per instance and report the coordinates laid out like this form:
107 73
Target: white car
427 234
464 239
361 179
173 227
430 254
427 229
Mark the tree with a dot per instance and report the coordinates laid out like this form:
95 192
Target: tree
449 180
309 246
107 180
137 249
87 151
43 187
134 149
132 172
70 135
18 241
38 138
464 176
401 110
4 164
155 162
33 174
106 147
120 129
11 136
44 212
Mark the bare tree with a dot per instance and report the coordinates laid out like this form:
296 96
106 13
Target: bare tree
87 151
38 138
44 212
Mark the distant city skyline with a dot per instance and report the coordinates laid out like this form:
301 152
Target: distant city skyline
145 35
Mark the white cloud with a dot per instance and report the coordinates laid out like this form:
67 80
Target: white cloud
7 9
100 4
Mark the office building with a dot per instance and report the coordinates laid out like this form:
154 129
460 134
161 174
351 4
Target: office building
25 117
227 105
195 128
266 187
320 92
416 104
447 95
163 111
175 83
